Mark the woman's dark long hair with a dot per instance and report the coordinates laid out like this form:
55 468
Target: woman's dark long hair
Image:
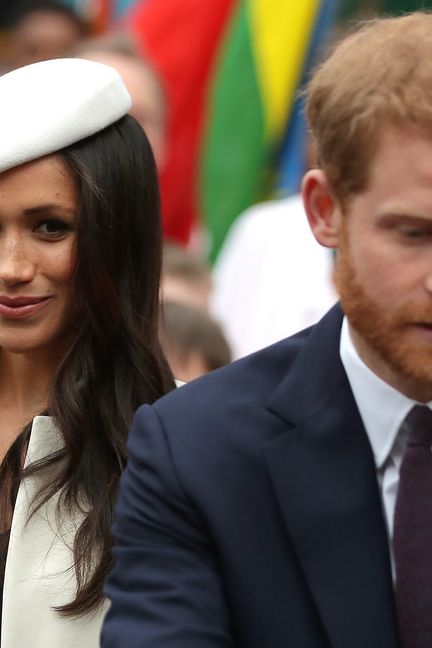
114 362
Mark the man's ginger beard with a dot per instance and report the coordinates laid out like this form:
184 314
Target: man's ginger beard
385 329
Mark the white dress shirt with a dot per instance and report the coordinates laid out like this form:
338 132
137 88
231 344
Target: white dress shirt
382 409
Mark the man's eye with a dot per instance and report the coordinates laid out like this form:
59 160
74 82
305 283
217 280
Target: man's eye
52 227
415 232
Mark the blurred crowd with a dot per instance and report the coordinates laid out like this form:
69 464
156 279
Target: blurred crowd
268 277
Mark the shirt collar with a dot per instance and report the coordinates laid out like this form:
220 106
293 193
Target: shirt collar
382 408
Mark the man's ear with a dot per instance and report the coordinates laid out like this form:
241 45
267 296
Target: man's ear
322 210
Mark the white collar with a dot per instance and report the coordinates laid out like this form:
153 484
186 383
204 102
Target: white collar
44 439
382 408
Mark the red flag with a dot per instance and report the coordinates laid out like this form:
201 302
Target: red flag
181 38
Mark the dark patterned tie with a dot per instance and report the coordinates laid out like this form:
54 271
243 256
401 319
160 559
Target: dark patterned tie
412 537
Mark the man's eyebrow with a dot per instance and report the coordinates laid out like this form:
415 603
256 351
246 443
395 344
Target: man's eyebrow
404 216
49 208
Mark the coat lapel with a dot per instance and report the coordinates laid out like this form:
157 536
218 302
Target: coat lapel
38 573
324 478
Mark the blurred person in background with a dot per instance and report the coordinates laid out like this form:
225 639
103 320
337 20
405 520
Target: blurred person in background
141 80
80 257
42 30
192 341
271 278
186 277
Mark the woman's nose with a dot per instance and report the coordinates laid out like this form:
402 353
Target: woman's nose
16 265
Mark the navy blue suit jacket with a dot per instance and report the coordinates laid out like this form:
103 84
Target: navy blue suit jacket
249 514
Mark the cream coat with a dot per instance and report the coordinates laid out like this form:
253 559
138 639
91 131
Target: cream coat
38 569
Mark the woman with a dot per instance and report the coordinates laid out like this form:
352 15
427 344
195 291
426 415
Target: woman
79 282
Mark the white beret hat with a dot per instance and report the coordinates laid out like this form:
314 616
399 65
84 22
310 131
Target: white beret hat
47 106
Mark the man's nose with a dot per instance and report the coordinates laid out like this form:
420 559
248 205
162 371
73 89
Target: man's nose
16 265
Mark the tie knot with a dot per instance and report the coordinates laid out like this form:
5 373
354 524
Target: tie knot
419 424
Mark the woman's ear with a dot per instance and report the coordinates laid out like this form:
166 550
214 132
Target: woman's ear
322 210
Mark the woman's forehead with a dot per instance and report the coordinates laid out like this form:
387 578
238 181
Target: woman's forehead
45 183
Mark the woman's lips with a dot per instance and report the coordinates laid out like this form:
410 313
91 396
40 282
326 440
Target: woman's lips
20 307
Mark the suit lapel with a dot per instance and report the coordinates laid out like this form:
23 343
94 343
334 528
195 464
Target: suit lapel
324 478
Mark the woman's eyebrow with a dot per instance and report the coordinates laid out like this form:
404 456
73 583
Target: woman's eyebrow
49 208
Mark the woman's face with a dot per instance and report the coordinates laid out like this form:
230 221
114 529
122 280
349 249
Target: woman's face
38 221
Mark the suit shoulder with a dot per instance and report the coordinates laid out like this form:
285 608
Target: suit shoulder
253 377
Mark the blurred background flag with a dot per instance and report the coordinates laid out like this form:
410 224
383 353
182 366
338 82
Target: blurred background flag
266 53
181 38
293 156
102 14
121 7
231 70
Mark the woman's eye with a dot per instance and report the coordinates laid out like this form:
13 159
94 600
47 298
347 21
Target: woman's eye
52 227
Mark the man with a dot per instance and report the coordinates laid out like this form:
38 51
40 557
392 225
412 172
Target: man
285 500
